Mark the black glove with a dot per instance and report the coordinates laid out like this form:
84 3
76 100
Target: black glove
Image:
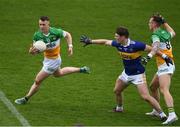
86 40
168 60
145 60
162 20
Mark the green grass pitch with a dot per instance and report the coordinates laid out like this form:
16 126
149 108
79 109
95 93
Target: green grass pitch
79 99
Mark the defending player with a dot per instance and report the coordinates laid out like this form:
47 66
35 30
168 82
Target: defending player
134 71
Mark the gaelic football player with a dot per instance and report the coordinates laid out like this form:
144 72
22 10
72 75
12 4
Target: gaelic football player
161 40
52 58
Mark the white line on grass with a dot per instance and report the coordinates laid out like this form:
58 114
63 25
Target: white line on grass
14 111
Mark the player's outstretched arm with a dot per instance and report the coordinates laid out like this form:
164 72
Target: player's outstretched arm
102 41
86 40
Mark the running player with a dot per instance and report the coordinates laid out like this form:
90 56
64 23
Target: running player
52 59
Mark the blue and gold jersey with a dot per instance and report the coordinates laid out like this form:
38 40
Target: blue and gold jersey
131 55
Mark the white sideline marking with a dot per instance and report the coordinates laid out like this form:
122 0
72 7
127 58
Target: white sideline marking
14 111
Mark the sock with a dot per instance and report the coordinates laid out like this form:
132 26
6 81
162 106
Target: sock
118 107
162 114
170 109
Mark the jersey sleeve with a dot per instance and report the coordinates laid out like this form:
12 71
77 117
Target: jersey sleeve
140 46
61 33
155 38
114 43
35 38
171 34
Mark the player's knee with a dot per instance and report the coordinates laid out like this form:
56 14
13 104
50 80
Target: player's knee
59 74
163 90
116 91
56 75
37 82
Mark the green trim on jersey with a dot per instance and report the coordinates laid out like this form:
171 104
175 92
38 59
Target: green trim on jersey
53 35
161 35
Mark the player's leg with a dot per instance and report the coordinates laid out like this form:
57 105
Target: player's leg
154 87
120 85
143 91
69 70
39 78
34 88
165 81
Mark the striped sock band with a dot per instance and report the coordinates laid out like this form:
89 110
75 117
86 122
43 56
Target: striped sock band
171 109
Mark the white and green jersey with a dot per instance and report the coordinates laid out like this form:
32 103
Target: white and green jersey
164 37
52 40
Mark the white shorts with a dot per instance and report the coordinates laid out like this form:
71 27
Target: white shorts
51 65
135 79
164 69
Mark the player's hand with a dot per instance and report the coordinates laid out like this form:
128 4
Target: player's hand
162 20
168 61
33 50
70 51
86 40
145 60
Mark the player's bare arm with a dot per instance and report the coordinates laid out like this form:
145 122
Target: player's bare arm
169 29
86 40
68 38
149 48
155 49
102 41
159 53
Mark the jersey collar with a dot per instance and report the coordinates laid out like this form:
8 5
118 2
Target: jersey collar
128 43
157 30
46 34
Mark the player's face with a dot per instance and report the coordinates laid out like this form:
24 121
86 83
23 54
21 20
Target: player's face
152 24
119 38
44 26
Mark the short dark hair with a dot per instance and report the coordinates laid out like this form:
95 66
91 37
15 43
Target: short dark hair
44 18
157 18
122 31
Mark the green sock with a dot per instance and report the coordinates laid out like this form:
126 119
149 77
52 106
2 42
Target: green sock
171 109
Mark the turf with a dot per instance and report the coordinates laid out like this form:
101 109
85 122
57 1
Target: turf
79 99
